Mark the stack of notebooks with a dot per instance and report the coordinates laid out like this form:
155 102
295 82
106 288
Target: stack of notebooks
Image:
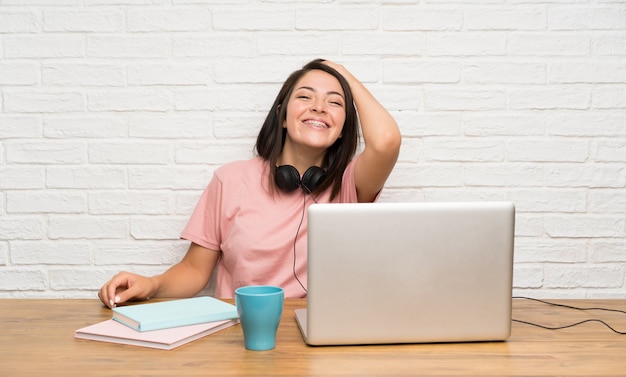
164 325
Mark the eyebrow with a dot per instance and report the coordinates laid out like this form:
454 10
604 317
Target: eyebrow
313 90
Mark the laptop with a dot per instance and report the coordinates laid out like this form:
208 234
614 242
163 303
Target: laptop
386 273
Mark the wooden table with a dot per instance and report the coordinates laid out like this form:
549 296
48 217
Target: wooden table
37 339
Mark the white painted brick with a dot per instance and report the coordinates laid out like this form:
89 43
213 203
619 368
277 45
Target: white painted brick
544 98
229 125
86 177
462 98
425 175
170 126
417 124
549 200
21 228
139 253
219 97
587 124
602 293
169 74
410 150
609 44
199 153
4 252
533 44
51 253
337 18
609 97
401 195
117 101
45 202
506 18
525 276
21 177
79 126
608 200
253 19
23 279
463 150
542 150
157 228
528 225
610 151
367 70
574 276
44 46
143 19
376 43
18 21
128 46
587 18
504 73
503 175
61 74
588 72
463 194
20 126
246 71
595 176
130 203
602 251
43 101
430 71
87 227
76 278
552 250
408 18
397 98
101 20
130 153
126 2
299 44
129 100
585 226
46 152
186 201
19 74
42 2
214 44
466 44
503 124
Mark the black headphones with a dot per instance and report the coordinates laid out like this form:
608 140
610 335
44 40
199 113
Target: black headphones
287 178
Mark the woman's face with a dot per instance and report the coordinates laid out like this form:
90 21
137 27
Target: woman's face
316 111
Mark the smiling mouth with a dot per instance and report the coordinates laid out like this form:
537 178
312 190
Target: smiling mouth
315 124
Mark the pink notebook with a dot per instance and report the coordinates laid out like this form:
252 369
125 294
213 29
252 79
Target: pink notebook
166 339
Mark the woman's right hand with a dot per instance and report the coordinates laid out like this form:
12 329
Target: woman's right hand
126 286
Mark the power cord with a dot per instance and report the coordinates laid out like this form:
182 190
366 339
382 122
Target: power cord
570 307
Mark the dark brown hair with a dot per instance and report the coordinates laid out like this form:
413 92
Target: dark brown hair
271 138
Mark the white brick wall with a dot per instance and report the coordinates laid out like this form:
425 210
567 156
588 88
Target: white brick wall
113 115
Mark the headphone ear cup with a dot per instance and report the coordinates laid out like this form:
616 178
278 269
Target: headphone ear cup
287 177
312 178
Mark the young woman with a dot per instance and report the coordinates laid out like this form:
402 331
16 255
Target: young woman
250 221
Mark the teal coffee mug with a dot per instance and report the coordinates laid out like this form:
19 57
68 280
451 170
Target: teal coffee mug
260 308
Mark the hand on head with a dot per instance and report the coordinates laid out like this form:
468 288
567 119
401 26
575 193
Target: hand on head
125 286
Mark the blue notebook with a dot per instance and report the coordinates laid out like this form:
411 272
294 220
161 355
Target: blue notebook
174 313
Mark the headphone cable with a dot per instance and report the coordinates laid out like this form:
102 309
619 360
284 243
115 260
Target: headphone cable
570 307
304 192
